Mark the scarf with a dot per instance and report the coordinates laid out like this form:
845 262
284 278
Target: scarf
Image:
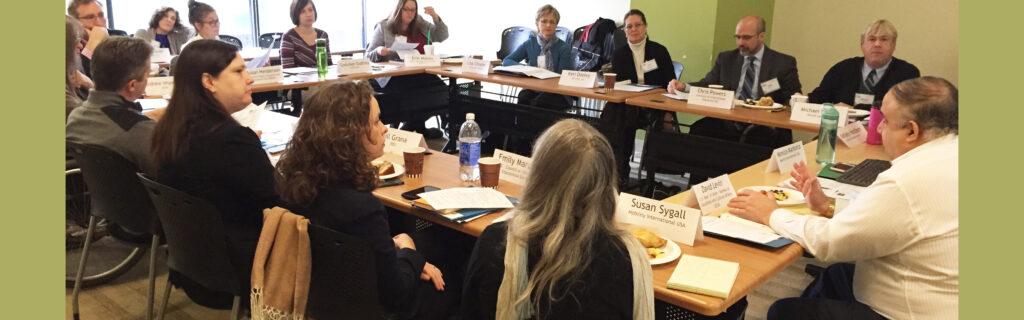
514 281
281 268
545 50
638 58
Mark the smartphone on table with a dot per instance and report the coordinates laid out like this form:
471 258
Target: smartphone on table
415 193
841 167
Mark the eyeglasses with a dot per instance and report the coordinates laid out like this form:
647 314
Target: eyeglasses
91 17
413 10
634 26
212 22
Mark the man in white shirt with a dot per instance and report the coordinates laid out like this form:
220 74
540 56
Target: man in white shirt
901 231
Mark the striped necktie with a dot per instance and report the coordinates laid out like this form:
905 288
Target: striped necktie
870 81
746 92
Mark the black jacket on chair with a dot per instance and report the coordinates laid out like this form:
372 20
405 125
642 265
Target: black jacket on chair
622 63
774 64
842 81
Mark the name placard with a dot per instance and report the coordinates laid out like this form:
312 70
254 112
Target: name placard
479 66
159 86
264 75
673 221
580 79
710 195
353 66
514 168
785 157
852 134
714 98
421 60
397 140
160 55
811 113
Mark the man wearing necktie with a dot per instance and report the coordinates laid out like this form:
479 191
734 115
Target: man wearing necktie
752 70
860 81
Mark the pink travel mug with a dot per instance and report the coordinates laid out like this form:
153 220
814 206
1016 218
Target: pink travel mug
874 137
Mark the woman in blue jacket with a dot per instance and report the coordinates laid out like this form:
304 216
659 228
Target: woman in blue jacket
544 50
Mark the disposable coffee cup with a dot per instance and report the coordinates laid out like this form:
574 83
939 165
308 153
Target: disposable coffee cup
489 170
428 49
478 57
797 98
609 80
413 161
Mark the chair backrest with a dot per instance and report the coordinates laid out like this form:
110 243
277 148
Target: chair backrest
116 194
270 39
343 283
619 37
565 34
512 38
232 40
702 157
115 32
678 67
196 242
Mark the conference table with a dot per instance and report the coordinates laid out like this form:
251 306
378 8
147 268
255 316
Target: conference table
769 118
389 69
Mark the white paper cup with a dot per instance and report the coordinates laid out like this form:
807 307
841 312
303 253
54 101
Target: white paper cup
428 49
797 98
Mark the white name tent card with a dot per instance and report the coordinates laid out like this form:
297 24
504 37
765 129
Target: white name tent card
160 55
420 60
673 221
353 66
811 113
852 134
526 71
159 86
265 75
514 168
710 195
581 79
476 66
708 97
785 157
397 140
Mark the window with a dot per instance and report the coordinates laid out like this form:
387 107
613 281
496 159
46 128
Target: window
342 20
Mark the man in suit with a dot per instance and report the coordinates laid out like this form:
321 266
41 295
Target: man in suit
752 70
90 14
860 81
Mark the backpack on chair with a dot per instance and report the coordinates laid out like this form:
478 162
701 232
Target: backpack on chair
595 46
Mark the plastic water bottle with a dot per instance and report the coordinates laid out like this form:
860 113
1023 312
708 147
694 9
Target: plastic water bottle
827 135
321 58
469 149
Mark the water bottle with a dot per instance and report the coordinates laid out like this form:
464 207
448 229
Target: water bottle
321 58
827 135
469 149
875 138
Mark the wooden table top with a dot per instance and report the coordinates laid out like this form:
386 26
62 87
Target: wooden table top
546 85
310 80
761 117
757 265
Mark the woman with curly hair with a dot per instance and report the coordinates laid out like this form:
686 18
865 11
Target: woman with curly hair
326 176
165 28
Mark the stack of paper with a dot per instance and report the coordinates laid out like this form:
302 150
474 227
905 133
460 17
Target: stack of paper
701 275
463 204
738 228
527 71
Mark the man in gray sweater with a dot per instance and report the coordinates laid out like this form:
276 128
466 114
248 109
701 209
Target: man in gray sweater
110 118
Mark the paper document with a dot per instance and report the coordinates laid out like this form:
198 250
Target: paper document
528 71
259 61
299 70
678 96
632 87
404 49
249 116
150 104
730 228
458 198
380 67
707 276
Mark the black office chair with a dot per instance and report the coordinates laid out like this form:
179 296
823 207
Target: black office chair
115 32
618 38
512 38
117 196
343 283
196 245
269 40
232 40
701 157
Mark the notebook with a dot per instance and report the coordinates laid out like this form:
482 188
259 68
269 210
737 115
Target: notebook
706 276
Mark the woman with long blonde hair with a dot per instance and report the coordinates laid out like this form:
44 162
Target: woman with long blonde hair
561 255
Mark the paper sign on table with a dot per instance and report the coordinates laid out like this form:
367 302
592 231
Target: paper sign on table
581 79
514 168
353 66
672 221
811 113
397 140
710 195
785 157
419 60
160 55
852 134
479 66
159 86
249 116
707 276
265 75
708 97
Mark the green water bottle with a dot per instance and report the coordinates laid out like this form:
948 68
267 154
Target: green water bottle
827 135
321 58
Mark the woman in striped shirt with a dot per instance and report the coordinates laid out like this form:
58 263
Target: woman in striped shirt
298 45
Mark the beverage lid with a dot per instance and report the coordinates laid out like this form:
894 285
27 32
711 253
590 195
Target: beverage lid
470 116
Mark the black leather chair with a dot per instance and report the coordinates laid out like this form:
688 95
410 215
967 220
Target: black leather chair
232 40
343 282
702 157
115 32
272 39
196 245
117 196
512 38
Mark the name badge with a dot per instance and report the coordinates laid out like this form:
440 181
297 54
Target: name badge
785 157
852 134
479 66
863 98
710 195
264 75
542 62
770 86
581 79
159 86
420 60
514 167
353 66
708 97
673 221
650 65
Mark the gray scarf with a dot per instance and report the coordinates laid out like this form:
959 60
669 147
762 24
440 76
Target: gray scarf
545 50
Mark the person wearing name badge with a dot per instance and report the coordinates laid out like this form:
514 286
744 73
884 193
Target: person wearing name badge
331 182
404 23
859 81
204 19
166 29
198 148
901 231
76 84
561 255
753 71
90 14
544 46
298 45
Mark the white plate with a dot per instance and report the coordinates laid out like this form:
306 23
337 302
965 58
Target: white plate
857 113
399 170
672 252
795 197
775 106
